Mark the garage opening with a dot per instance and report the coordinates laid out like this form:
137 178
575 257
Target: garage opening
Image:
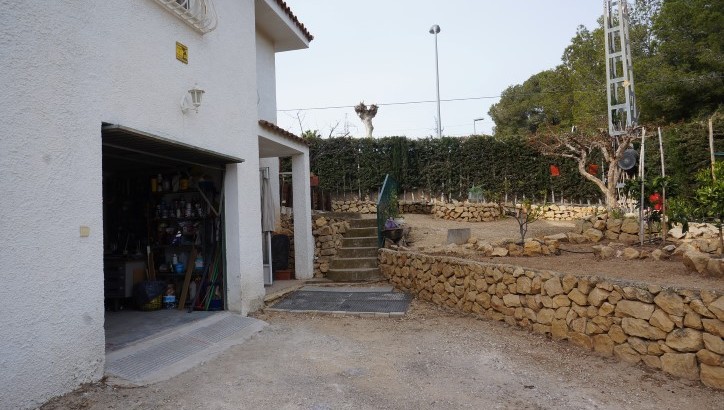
164 259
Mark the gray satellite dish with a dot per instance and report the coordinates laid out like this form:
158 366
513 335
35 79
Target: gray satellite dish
628 160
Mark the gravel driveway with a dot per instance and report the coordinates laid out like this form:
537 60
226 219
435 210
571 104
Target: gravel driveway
430 359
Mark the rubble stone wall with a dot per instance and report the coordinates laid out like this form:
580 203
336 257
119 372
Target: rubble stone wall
555 212
355 206
679 331
702 237
328 234
467 211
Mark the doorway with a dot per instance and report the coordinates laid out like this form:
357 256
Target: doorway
163 233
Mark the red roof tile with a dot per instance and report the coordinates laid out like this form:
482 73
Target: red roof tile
294 18
281 131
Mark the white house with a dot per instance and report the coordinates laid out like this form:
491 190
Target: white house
91 98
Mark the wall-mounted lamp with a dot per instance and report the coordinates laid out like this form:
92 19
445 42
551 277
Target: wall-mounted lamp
194 95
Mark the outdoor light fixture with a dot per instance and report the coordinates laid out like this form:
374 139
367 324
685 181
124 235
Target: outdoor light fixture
194 95
474 121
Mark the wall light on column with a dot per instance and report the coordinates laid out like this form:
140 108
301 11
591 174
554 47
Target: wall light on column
192 99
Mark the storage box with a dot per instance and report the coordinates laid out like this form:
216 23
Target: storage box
283 274
154 304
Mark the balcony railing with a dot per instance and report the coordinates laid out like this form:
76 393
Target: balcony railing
199 14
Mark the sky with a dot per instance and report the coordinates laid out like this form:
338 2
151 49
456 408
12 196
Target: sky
381 52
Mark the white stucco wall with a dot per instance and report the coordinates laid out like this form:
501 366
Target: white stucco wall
66 67
51 290
266 78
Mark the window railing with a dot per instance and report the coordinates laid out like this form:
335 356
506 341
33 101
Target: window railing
199 14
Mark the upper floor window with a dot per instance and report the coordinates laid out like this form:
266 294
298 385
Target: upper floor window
199 14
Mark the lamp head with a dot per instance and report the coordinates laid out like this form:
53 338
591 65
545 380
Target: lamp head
195 95
434 29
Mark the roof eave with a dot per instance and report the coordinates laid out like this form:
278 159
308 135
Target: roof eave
275 19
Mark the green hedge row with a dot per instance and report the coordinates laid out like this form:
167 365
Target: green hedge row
449 166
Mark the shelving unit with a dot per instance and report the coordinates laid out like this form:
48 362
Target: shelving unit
180 222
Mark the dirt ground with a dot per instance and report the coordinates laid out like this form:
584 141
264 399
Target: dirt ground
427 232
430 359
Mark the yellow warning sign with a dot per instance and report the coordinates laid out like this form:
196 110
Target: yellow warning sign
182 53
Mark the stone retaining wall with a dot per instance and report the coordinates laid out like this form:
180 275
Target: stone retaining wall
678 331
467 211
471 210
328 234
555 212
355 206
414 207
703 237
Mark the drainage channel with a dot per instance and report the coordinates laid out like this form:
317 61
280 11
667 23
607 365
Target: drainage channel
380 301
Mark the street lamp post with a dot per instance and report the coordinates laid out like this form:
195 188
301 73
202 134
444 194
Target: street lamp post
474 121
434 30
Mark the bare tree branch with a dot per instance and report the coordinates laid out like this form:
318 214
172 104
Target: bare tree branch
579 146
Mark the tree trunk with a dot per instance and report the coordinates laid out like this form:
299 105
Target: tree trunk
609 189
367 121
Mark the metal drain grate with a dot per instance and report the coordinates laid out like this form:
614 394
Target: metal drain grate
350 302
147 361
220 330
168 355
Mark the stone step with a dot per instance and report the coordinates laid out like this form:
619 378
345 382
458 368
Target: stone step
363 223
349 263
354 275
358 252
361 232
362 241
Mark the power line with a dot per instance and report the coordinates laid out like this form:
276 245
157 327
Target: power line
392 103
490 97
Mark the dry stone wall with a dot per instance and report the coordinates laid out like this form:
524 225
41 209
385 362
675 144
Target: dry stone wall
467 211
328 234
679 331
702 237
415 207
555 212
355 206
370 207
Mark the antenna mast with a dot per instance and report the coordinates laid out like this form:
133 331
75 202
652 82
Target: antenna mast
622 113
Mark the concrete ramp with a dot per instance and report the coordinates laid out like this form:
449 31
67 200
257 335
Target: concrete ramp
170 354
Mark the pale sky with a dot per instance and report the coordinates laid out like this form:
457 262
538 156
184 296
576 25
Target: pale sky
380 51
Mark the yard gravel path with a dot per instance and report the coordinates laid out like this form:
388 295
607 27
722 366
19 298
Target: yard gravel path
430 359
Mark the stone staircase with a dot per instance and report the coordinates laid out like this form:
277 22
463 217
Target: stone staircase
356 260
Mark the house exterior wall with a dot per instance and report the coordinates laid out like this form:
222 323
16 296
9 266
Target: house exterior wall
67 67
266 78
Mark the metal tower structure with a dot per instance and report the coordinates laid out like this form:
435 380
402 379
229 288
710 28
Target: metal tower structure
622 112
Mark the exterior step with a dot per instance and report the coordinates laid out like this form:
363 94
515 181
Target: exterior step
361 232
354 275
357 252
349 263
363 223
362 241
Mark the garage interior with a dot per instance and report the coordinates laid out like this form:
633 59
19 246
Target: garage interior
163 233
